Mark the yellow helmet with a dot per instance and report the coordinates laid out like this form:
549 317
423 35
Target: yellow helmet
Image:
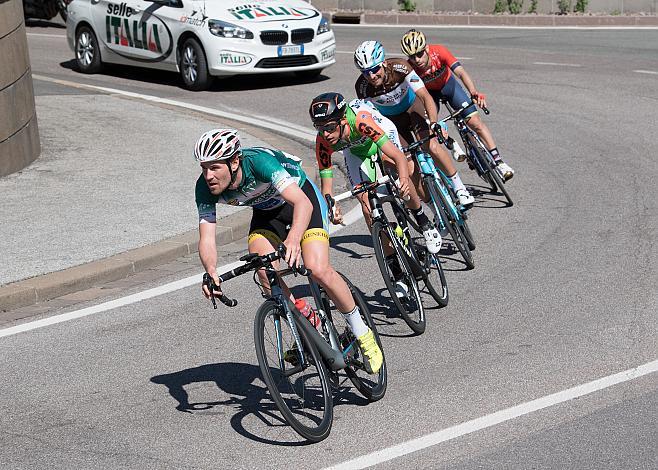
412 42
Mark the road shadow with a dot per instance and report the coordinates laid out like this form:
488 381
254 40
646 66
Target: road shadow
486 198
35 23
228 84
247 395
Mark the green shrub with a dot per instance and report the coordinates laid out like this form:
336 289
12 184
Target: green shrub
581 6
564 6
407 5
515 6
533 6
500 6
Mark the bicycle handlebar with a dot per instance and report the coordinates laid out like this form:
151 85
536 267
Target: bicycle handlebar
358 189
254 261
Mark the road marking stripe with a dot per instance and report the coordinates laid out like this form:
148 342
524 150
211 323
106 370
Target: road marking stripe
47 35
474 26
557 63
286 128
349 218
493 419
397 55
646 71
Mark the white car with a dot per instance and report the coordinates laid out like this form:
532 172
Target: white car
201 38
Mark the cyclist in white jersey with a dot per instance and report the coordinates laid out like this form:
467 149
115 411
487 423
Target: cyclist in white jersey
393 86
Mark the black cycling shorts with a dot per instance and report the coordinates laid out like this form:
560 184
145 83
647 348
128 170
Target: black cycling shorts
274 224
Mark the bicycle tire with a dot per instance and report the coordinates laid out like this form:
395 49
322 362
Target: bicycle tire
372 387
439 292
417 323
466 230
495 181
307 409
440 209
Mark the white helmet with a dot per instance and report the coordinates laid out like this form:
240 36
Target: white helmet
216 145
369 54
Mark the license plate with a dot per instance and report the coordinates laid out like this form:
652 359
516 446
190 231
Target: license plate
297 49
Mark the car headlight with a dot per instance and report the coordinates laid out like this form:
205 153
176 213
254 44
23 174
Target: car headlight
228 30
324 26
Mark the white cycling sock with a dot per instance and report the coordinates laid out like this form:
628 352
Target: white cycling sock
355 321
456 182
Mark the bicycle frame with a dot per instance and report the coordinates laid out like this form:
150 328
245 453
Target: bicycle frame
330 352
429 170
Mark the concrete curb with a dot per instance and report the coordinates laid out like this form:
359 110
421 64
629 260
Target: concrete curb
50 286
395 18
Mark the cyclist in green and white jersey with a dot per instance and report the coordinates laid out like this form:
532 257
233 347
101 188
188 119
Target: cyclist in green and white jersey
287 208
362 134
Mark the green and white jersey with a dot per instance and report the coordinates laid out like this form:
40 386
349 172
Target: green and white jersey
265 174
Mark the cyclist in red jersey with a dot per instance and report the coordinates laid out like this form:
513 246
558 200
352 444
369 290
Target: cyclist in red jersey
438 68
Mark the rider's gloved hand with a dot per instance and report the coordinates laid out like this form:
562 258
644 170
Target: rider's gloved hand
337 215
480 99
293 251
436 128
403 186
206 291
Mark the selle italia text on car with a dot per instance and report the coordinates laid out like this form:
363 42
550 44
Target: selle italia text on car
201 38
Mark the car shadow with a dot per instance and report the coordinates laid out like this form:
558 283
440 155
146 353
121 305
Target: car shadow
246 394
228 84
34 23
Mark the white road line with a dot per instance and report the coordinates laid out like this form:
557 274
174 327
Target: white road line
484 422
396 55
350 217
48 35
287 128
474 26
651 72
558 64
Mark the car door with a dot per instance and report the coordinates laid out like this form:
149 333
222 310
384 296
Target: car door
133 31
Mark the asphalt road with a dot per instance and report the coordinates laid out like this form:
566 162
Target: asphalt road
564 293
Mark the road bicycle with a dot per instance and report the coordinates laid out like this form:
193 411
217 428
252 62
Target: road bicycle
414 261
479 157
301 364
450 215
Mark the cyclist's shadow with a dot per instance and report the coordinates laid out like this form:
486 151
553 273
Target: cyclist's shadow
249 398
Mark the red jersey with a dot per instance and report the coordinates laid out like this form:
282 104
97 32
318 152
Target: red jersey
438 72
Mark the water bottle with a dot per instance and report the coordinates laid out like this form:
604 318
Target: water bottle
400 234
306 310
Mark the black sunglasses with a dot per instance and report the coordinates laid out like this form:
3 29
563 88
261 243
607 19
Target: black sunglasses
417 55
326 127
371 70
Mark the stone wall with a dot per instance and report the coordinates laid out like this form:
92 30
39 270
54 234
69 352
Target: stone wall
486 6
19 133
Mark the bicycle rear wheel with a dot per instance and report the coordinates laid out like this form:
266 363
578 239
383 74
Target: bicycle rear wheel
301 392
441 209
372 387
410 306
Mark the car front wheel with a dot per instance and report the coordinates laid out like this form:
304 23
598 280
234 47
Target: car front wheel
193 66
87 52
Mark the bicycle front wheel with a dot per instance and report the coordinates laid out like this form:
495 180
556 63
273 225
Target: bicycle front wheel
410 304
435 280
442 210
299 387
